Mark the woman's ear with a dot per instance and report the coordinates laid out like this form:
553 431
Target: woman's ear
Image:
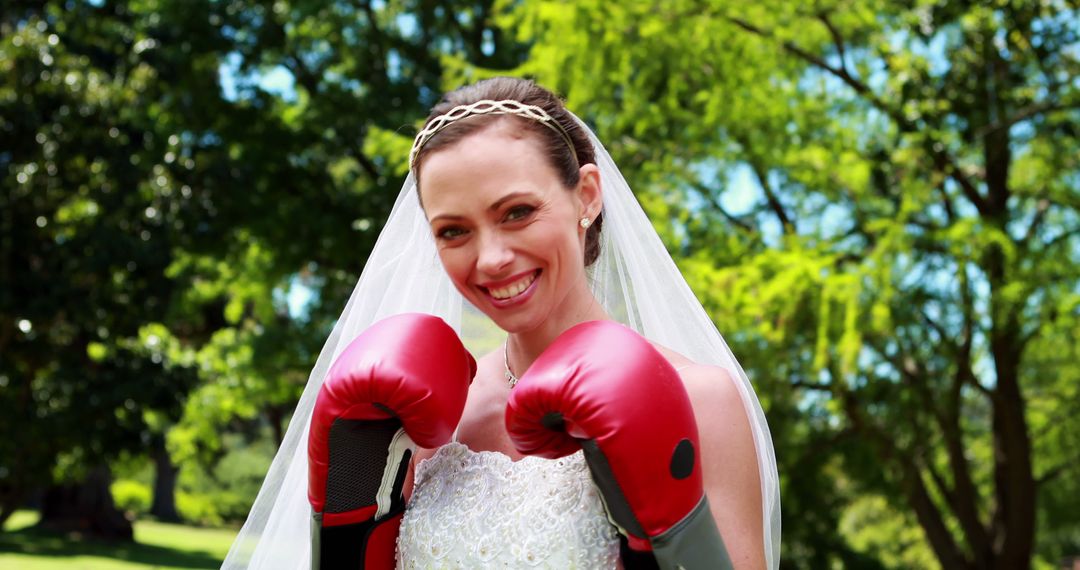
589 191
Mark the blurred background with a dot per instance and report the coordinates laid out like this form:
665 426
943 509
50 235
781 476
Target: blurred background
877 201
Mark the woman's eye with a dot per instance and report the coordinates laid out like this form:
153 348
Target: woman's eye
450 233
518 212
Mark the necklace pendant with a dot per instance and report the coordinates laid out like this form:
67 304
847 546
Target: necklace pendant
510 378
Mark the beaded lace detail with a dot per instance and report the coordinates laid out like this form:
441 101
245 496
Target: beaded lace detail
483 510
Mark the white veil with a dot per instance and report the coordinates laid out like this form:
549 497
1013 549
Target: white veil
634 278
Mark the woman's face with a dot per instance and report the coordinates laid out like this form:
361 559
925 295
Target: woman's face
506 229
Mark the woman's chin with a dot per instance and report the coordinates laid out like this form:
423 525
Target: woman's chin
514 324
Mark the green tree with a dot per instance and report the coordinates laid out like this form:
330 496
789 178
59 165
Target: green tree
361 76
87 217
161 200
905 286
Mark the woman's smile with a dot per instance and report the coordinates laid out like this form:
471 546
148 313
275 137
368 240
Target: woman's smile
513 290
511 286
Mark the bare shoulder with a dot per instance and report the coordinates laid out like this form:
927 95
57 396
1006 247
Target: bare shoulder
712 388
708 386
718 405
723 424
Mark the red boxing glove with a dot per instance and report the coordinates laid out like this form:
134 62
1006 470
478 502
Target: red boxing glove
403 380
603 388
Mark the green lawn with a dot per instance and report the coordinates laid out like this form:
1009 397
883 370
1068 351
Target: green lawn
158 545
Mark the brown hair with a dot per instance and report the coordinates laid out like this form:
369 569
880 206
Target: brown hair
560 156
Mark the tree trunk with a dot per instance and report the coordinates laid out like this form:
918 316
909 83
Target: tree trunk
276 415
6 510
12 498
165 475
85 507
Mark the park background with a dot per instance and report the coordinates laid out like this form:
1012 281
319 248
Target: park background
878 202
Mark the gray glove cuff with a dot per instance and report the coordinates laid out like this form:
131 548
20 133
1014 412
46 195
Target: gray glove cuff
692 544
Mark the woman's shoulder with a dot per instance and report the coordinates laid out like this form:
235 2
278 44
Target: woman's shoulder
716 400
712 384
707 382
729 459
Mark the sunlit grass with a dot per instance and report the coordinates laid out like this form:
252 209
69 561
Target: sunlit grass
157 545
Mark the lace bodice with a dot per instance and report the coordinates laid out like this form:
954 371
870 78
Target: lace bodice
482 510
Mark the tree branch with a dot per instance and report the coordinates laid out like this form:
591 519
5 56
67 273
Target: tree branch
945 338
770 197
946 201
965 497
1053 472
306 77
1024 114
838 40
706 193
376 34
817 386
962 496
942 160
926 511
1062 237
1040 214
365 163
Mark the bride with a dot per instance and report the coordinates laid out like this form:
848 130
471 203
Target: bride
515 223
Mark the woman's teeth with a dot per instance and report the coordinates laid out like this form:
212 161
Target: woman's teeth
514 288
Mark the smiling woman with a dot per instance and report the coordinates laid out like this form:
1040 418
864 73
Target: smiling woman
620 446
507 229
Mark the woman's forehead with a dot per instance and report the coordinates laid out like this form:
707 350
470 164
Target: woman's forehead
483 168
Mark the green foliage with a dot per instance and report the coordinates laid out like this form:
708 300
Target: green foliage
874 527
200 509
218 494
223 493
131 497
902 284
93 204
161 203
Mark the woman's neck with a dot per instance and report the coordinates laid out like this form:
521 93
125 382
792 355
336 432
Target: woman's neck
579 306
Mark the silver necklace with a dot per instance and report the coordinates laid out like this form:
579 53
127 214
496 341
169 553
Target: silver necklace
510 378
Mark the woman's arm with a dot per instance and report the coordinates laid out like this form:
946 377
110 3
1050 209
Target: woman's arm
729 463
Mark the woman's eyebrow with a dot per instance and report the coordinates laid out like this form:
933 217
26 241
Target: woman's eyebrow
510 196
494 206
446 217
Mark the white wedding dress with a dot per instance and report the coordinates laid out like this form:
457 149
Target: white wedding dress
482 510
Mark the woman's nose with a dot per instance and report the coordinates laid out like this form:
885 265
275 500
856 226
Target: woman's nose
495 254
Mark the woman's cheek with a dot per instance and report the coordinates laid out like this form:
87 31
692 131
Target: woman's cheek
455 262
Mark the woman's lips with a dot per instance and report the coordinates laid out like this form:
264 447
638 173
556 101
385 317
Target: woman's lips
513 288
517 290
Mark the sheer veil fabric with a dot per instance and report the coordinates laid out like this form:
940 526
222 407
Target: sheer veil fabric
634 278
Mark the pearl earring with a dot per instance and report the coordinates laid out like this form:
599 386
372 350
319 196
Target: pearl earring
585 222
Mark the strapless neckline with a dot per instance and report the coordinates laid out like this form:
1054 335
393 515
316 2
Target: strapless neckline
479 509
